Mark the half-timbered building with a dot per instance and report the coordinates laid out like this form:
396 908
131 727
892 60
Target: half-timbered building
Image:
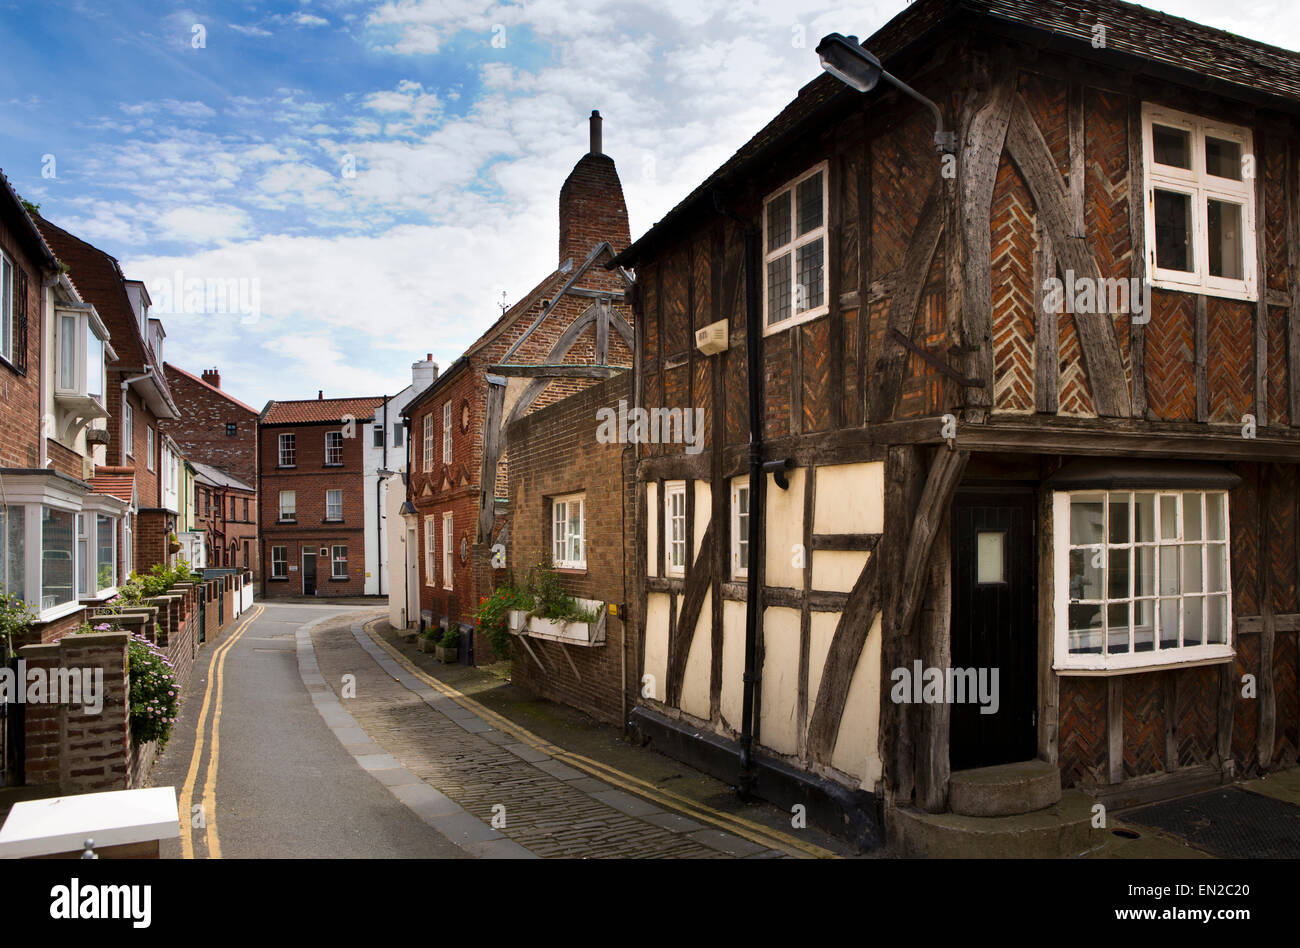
999 494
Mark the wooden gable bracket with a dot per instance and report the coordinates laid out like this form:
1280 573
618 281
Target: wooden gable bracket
555 301
1101 356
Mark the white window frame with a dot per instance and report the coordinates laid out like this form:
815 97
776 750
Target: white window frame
292 496
8 291
287 447
150 444
560 535
738 487
84 325
675 491
448 541
1201 187
426 456
446 433
129 416
430 550
1066 662
792 247
280 566
334 447
335 560
336 506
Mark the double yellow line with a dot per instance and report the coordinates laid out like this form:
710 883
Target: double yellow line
216 684
755 832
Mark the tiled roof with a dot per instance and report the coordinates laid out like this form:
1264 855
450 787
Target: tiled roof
320 409
215 475
1132 33
194 378
116 481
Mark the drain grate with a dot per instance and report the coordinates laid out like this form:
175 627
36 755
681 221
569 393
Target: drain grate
1232 823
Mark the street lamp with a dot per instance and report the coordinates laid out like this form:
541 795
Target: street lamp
845 59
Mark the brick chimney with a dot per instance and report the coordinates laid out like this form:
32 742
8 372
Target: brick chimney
592 208
212 377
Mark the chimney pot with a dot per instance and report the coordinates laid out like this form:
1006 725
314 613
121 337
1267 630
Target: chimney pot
595 148
428 357
320 394
212 377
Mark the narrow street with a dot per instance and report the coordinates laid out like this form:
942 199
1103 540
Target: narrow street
301 765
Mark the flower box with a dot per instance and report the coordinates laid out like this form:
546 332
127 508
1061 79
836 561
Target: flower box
517 619
575 633
448 656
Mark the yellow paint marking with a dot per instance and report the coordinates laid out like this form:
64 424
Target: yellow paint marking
187 790
755 832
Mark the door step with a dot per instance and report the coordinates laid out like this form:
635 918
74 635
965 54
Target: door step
1005 790
1060 831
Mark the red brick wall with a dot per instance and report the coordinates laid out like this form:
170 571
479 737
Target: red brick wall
201 429
151 532
555 452
213 516
21 394
592 209
309 479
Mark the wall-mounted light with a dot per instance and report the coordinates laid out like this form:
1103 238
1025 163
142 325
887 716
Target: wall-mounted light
845 59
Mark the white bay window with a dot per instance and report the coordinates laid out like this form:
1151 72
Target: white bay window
1142 578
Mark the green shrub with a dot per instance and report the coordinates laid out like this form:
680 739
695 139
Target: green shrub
154 695
16 617
450 639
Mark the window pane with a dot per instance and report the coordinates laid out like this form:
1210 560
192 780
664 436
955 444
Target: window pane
1171 146
1216 567
1214 516
1144 625
810 291
1169 623
1173 230
1086 574
1085 628
810 203
1118 573
1168 517
83 557
1144 577
778 290
1117 615
1169 571
1224 221
1191 516
1223 158
778 221
105 536
14 521
988 557
68 352
1216 620
1117 518
1085 519
1192 568
1144 517
1192 619
94 364
57 550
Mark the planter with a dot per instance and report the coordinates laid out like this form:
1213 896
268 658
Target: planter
448 656
563 630
426 644
516 619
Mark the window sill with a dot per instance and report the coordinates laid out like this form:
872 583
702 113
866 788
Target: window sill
577 569
286 467
795 320
277 579
332 520
1206 655
339 579
1244 293
11 367
57 612
339 464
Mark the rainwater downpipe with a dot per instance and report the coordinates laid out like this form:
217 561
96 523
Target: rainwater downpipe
753 360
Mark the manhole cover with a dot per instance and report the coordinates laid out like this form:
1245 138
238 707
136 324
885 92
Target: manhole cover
1232 823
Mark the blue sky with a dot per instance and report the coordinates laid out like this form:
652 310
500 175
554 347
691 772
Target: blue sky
228 159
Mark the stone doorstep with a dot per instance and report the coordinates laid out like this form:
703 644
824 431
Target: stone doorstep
1005 789
1060 831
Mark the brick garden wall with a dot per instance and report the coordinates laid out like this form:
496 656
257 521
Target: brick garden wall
555 453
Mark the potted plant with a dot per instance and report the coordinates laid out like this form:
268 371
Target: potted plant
556 614
448 650
173 544
428 639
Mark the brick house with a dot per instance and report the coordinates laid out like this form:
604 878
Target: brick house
923 464
219 431
225 512
60 528
571 497
556 340
139 397
311 489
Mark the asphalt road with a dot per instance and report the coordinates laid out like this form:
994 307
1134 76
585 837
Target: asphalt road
285 786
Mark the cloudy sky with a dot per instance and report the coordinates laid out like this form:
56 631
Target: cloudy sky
379 173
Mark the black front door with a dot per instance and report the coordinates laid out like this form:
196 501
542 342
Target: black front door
308 572
994 627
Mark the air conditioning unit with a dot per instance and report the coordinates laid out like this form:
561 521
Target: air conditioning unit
712 339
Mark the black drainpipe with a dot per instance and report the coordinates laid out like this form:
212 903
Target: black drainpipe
753 359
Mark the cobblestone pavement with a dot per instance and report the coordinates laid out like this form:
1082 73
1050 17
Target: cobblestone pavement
549 808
